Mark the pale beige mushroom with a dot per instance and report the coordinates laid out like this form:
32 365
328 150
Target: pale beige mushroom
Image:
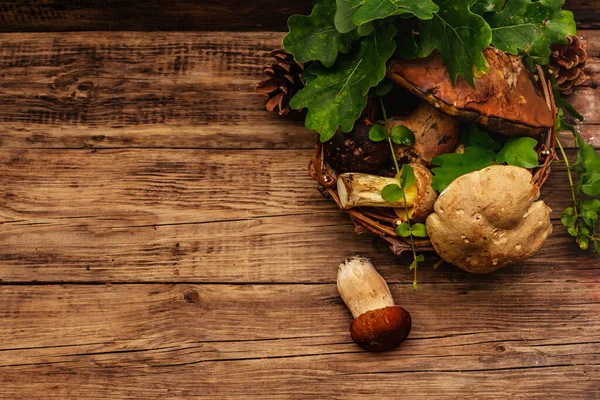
489 218
363 190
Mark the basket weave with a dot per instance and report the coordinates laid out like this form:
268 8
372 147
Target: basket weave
383 221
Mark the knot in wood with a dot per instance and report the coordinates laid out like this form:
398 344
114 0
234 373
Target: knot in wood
191 296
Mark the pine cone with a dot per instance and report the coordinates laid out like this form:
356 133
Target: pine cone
284 80
568 64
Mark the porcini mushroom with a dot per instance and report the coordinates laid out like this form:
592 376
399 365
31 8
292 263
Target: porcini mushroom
378 324
489 218
506 100
363 190
435 133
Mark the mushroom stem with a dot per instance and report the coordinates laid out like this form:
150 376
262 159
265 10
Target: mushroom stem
435 133
378 324
361 287
363 190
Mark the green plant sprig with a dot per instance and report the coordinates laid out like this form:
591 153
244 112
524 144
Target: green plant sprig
581 219
406 178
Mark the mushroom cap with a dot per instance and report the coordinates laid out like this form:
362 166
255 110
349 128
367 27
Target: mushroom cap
507 99
381 329
489 218
426 196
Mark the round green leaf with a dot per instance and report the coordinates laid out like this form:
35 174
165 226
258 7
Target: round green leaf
392 193
377 133
403 230
403 136
407 176
419 230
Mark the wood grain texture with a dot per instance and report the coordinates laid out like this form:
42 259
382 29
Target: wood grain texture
160 238
180 15
291 341
183 90
152 215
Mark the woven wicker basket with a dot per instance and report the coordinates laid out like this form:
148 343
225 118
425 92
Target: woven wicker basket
383 221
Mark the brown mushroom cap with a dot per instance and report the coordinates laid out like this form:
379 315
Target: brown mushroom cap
381 329
506 99
489 218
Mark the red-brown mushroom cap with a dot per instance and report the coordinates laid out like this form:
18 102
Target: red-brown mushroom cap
506 99
381 329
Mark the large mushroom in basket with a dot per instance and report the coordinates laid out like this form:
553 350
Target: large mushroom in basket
506 100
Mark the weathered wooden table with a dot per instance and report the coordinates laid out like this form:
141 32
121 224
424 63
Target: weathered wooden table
160 238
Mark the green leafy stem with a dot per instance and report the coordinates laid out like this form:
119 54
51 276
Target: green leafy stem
400 135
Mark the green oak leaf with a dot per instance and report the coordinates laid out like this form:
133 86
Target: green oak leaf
519 152
392 193
531 27
460 36
365 29
343 16
315 37
370 10
451 166
482 6
337 96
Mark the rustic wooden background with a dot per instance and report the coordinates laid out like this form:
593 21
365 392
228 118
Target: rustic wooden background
160 238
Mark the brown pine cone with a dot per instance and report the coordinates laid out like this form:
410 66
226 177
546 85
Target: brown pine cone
568 64
284 80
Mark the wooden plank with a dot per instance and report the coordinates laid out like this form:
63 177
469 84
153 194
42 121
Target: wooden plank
183 90
95 15
292 341
140 90
151 215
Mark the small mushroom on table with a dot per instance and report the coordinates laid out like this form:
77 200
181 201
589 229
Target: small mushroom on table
489 218
378 324
506 100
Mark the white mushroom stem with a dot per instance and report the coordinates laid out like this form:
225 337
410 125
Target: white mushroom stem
363 190
361 287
